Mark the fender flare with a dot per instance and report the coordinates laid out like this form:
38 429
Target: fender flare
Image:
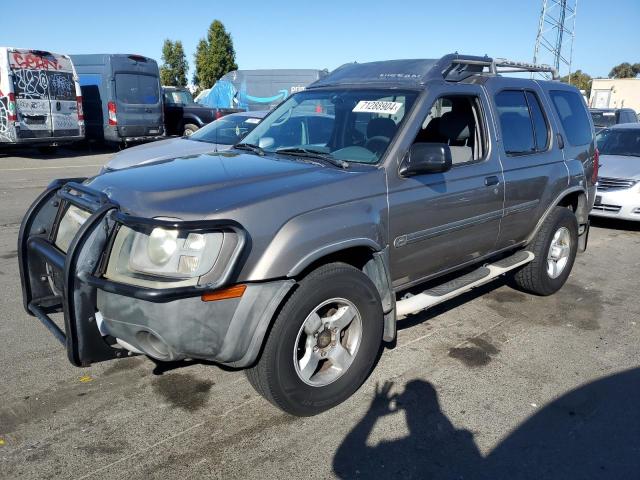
325 250
554 204
194 120
377 269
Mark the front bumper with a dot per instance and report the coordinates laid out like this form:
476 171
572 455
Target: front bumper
101 316
623 204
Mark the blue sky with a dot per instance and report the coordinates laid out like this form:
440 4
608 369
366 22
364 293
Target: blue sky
278 34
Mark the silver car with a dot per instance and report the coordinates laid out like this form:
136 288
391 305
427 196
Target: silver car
618 194
214 137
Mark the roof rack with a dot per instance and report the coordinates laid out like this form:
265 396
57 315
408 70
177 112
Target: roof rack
510 66
460 67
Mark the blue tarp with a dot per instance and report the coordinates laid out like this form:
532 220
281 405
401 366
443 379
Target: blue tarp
257 89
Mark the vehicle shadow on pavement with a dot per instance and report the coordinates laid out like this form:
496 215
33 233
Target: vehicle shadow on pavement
590 432
614 224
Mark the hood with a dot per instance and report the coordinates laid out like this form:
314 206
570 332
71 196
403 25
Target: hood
204 186
161 151
619 166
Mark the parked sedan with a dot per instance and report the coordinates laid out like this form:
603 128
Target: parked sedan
216 136
618 193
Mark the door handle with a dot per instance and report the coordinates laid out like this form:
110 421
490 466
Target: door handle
491 181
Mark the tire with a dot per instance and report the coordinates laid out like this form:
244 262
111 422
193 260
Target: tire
536 277
278 375
189 129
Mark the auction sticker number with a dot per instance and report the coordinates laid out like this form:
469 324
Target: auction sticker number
375 106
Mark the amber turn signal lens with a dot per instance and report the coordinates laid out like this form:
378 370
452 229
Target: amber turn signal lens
232 292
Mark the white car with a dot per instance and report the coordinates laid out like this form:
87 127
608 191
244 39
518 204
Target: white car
618 194
217 136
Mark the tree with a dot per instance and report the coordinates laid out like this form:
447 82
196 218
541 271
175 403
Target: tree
580 80
625 70
214 56
174 67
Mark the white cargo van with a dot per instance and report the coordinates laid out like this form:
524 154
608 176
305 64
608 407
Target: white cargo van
40 99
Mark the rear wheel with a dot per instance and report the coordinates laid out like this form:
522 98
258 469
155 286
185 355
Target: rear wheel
323 344
554 247
190 129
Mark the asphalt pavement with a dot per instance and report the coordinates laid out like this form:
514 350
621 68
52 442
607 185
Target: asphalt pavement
494 384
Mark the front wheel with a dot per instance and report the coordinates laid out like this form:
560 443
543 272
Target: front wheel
323 343
555 247
189 129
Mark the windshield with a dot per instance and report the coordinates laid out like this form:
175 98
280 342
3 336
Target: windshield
179 97
227 130
619 142
603 119
354 125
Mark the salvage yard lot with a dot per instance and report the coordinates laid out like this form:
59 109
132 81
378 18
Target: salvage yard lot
480 387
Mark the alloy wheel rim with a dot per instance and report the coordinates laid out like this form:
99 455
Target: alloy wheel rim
327 342
559 252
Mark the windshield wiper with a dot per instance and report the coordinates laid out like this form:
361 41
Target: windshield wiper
250 147
306 152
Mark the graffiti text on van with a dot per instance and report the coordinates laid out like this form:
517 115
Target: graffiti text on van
35 62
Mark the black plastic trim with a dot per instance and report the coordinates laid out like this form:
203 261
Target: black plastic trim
41 315
53 255
91 200
155 295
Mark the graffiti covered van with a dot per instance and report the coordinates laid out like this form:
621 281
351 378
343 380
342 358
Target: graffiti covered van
40 99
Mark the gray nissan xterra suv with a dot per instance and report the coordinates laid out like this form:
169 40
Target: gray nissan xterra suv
381 190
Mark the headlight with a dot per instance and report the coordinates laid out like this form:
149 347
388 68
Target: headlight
71 222
162 257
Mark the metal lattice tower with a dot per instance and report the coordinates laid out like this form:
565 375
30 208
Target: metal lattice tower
556 32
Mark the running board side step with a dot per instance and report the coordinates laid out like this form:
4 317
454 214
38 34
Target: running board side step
462 284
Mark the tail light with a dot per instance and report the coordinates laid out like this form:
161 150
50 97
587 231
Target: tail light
596 166
80 109
113 119
218 114
13 115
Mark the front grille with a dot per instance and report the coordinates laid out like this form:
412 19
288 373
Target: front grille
607 208
608 183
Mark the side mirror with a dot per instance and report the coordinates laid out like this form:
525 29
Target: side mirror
266 142
426 158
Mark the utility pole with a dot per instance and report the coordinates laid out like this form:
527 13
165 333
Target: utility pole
556 33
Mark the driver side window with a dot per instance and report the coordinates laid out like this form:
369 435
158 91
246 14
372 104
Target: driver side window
456 121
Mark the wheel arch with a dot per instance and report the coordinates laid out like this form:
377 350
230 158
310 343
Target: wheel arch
574 198
193 120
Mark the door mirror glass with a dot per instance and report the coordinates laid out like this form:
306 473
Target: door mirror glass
425 158
266 142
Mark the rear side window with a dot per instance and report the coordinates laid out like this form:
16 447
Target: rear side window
524 127
515 122
573 116
137 89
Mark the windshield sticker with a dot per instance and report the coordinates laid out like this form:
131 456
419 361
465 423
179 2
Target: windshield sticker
252 120
609 114
368 106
